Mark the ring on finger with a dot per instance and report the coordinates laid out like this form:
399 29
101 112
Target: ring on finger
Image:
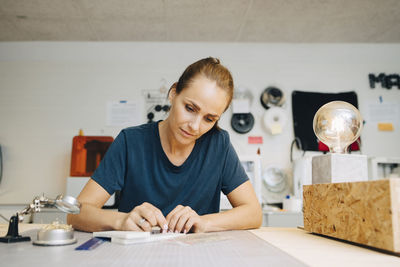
142 221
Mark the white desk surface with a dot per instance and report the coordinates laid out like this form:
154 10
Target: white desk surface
283 247
315 250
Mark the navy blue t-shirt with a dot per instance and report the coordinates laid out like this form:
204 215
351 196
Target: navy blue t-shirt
137 165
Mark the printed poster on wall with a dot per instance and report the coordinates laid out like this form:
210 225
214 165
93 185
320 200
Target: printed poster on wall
123 113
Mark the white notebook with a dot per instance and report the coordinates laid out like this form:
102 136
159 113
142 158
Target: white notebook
133 237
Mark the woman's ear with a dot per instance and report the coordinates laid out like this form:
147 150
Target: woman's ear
172 92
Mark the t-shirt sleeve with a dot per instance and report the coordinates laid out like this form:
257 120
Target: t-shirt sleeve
233 173
110 174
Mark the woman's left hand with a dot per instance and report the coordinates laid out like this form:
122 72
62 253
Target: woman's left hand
183 219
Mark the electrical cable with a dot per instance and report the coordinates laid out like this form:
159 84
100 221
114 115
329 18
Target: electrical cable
296 141
2 216
359 144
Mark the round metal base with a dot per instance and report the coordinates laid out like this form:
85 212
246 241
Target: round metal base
55 237
54 242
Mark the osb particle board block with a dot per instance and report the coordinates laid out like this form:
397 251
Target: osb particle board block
367 213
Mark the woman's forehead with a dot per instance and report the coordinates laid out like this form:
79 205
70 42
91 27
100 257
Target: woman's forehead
207 95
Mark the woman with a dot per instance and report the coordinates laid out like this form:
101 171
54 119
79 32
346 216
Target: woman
170 173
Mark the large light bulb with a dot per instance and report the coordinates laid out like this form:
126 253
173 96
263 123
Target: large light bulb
337 124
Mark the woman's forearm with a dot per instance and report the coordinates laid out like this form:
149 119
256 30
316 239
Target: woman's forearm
92 219
247 216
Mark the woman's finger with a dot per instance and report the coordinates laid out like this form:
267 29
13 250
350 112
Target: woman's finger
161 220
172 212
144 224
183 219
152 215
130 222
190 223
172 217
176 216
148 214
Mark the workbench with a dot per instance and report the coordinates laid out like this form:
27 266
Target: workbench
266 246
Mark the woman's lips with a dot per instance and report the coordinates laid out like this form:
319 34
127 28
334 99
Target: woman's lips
186 133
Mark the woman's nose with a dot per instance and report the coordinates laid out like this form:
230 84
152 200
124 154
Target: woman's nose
195 123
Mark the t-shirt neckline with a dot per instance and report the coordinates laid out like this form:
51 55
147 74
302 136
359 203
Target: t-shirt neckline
165 158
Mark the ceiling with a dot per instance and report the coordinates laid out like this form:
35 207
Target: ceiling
292 21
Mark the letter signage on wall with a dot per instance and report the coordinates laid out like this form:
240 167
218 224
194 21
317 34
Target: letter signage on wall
386 81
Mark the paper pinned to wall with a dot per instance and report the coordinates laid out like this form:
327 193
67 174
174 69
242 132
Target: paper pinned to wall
123 113
383 112
240 106
385 127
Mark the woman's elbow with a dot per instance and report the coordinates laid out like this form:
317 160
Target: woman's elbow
258 217
255 216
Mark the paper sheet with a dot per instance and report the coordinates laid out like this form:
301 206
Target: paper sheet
123 113
383 112
229 248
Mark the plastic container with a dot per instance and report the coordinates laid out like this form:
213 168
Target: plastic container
87 152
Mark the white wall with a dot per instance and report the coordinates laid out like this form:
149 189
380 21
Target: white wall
51 90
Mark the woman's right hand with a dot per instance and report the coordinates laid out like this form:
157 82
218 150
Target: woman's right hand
143 218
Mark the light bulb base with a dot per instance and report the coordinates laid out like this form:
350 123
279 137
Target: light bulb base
338 150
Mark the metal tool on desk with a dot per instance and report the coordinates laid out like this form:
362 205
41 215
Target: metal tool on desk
54 234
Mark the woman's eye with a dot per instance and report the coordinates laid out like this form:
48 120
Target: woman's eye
209 120
189 108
